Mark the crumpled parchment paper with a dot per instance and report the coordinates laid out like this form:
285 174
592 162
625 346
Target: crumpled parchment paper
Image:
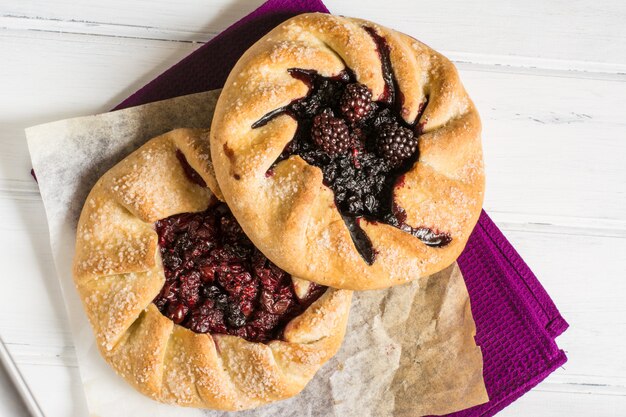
408 350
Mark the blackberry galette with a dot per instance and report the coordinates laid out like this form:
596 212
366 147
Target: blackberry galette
183 305
349 153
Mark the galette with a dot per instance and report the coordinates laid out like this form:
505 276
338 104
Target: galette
349 153
183 305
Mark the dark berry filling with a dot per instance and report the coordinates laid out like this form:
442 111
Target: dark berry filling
217 281
363 147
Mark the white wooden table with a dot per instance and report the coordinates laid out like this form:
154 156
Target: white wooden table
548 76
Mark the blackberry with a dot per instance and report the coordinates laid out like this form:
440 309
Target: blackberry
356 102
330 133
396 143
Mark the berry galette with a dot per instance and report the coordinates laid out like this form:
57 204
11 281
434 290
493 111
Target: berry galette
349 153
183 305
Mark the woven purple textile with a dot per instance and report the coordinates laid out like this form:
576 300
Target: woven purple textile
515 318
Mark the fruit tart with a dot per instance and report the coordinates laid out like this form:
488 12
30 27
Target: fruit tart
349 153
183 306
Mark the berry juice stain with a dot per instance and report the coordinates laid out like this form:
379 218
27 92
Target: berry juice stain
362 146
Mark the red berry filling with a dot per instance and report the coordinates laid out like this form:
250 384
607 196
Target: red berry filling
362 146
217 281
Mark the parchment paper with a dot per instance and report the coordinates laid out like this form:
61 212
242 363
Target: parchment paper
408 351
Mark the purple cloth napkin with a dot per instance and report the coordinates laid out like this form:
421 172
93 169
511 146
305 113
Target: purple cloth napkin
515 318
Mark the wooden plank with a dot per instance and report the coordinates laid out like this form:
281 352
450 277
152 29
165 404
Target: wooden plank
59 390
533 33
55 76
10 404
538 403
33 311
553 145
584 276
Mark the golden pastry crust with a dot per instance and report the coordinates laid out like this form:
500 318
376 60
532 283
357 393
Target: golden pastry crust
291 215
118 272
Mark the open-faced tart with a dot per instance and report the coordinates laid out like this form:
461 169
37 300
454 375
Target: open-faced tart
349 153
183 305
